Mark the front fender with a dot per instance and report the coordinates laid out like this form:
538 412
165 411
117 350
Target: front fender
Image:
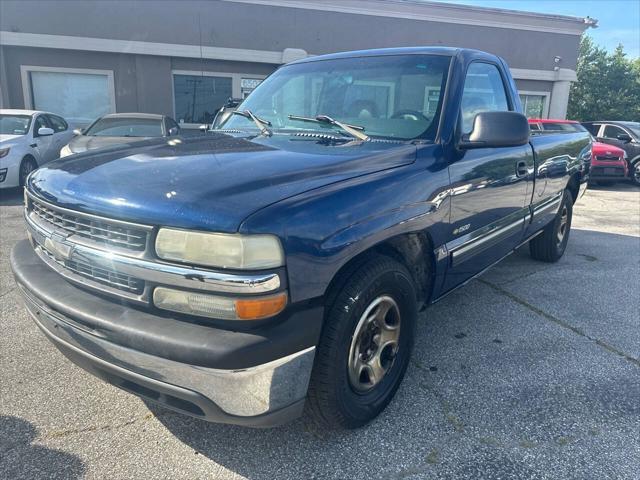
323 229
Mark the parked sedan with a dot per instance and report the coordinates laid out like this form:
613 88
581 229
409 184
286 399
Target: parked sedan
624 135
28 138
120 128
608 163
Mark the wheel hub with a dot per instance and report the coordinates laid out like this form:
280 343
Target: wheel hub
374 344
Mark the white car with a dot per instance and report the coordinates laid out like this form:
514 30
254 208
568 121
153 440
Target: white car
28 139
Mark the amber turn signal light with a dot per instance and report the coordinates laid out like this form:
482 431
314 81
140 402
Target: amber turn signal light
256 308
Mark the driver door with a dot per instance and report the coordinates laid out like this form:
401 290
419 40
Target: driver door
490 187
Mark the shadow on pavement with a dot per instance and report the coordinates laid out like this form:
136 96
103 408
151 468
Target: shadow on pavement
11 197
619 186
20 458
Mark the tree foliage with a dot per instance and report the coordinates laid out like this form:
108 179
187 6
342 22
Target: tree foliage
608 85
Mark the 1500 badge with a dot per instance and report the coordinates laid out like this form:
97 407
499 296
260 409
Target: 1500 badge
461 229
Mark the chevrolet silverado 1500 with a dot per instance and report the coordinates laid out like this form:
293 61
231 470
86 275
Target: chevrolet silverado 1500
279 263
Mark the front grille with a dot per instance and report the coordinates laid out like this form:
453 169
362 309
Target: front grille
99 230
110 278
607 158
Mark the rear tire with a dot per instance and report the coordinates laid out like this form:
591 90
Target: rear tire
550 245
27 166
635 173
365 345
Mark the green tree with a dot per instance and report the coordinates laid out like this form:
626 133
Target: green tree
608 85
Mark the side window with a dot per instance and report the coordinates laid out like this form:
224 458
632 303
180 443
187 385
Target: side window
57 123
611 131
40 122
592 128
483 92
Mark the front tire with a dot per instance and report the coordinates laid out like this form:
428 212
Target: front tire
27 166
550 245
365 346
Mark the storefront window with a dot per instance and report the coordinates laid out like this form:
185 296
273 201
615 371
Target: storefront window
199 97
248 84
533 105
78 97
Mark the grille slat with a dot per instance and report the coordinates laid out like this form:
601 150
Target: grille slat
111 234
110 278
98 230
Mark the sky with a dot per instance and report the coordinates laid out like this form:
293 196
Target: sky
618 20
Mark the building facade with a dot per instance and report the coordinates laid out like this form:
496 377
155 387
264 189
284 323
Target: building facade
185 58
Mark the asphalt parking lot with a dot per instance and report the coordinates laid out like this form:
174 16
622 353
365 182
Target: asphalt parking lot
532 371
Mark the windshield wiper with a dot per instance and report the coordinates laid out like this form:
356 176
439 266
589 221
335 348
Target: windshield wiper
260 122
353 130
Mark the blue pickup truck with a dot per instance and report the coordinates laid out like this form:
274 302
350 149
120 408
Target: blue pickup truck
278 264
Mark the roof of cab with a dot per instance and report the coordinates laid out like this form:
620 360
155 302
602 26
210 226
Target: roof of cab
449 51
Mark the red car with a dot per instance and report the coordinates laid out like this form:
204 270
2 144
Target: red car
608 163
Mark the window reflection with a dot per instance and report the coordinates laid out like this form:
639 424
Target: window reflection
197 97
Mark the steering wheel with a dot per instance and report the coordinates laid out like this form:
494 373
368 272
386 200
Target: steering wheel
410 115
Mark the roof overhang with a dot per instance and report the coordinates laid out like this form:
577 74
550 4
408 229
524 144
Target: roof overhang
443 13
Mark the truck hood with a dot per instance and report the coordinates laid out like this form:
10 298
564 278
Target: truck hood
209 182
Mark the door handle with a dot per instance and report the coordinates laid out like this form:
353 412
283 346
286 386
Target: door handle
521 169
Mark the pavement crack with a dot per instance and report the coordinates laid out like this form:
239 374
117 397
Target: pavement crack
100 428
449 415
561 323
4 294
524 275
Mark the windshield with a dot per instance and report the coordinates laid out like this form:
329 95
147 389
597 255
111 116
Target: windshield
14 124
634 127
389 96
126 127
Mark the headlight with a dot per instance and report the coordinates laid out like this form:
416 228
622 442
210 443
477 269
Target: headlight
248 252
4 152
224 308
65 151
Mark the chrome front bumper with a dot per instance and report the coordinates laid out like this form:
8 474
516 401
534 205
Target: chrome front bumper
227 396
257 377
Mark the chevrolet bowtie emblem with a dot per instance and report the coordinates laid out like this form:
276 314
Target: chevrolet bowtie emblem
57 247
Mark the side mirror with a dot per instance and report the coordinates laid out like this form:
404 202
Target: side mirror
78 131
624 137
497 129
45 131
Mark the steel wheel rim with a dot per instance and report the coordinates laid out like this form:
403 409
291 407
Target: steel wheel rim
374 344
564 220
